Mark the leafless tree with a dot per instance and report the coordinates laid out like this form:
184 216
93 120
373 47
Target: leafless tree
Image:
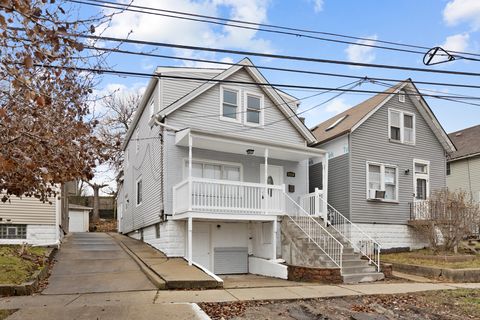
450 217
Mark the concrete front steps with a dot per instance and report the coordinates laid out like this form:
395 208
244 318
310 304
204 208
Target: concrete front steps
306 253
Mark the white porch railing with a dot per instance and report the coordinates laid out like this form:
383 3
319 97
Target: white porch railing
312 205
314 231
228 197
359 240
420 210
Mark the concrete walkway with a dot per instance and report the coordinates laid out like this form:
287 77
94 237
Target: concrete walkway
175 273
94 262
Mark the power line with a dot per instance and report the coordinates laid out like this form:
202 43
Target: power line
302 71
278 56
126 7
297 32
149 75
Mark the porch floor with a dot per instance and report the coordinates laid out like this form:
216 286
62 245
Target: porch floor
235 281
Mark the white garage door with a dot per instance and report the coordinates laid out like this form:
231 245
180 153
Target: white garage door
76 222
233 260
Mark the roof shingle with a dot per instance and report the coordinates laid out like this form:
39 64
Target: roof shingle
467 142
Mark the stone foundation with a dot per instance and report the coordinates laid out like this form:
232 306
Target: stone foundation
319 275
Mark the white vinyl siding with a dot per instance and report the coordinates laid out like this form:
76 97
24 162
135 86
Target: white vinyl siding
401 126
382 178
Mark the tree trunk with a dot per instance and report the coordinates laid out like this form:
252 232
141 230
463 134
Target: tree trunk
96 203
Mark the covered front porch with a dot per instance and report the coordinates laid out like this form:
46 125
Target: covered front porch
238 180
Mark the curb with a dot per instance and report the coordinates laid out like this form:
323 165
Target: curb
158 281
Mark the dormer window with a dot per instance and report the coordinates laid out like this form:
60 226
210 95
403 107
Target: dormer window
254 109
401 126
229 104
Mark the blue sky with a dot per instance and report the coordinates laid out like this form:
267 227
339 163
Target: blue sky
454 24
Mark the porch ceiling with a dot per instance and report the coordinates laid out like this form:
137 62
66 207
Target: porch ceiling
239 145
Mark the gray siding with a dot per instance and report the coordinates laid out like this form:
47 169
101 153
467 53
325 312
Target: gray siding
209 104
339 184
465 175
250 164
315 176
174 89
145 163
370 142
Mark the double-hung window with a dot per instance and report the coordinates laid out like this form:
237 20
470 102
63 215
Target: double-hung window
254 109
382 182
401 126
230 104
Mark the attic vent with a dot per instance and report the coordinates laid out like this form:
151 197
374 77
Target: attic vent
459 134
333 125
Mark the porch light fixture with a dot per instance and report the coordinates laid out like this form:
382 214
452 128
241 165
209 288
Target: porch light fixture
250 151
407 172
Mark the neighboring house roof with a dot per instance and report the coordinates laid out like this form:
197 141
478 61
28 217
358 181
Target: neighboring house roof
72 206
352 118
467 142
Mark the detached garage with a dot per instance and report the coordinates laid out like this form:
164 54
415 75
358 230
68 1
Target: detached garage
78 218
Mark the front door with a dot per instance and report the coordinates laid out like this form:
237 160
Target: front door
421 189
201 244
274 175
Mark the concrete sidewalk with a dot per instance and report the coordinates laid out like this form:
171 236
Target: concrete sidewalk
224 295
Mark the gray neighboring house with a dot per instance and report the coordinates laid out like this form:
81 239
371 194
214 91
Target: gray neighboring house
386 156
463 167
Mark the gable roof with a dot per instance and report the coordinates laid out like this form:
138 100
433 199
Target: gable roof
467 142
356 115
270 91
351 117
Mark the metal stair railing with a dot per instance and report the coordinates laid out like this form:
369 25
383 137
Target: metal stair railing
366 245
315 232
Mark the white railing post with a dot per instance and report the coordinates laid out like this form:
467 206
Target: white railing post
190 242
190 170
325 189
274 239
317 202
282 199
265 176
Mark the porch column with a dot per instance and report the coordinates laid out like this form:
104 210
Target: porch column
265 177
189 240
190 145
274 239
325 188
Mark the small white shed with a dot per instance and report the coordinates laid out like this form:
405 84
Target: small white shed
78 218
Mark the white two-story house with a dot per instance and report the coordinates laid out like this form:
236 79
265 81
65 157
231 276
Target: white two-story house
214 161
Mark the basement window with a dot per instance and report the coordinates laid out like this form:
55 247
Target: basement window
13 231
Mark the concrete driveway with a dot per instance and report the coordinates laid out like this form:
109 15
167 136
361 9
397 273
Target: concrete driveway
94 262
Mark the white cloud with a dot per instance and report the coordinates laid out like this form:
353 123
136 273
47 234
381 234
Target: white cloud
318 5
356 53
458 11
171 30
457 42
337 106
